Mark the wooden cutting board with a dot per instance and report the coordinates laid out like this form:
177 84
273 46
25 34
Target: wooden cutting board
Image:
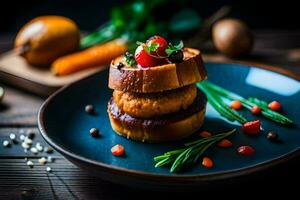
15 71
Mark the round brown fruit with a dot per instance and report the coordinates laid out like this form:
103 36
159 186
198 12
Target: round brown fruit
232 37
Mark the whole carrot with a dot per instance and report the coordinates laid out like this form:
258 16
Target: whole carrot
95 56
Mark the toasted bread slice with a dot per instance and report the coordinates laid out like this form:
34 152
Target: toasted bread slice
159 78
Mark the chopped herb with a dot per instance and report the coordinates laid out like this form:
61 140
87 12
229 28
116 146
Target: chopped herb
129 59
173 48
150 48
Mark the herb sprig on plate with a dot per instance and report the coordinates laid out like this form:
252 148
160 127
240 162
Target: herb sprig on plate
215 94
190 154
216 101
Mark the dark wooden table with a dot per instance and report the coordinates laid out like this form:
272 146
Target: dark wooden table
18 113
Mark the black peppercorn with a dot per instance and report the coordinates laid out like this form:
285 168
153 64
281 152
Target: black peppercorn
89 109
94 132
120 65
30 134
176 57
272 136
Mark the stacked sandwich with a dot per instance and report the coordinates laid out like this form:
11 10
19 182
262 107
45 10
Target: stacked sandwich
157 100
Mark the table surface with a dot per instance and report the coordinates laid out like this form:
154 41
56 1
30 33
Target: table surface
18 113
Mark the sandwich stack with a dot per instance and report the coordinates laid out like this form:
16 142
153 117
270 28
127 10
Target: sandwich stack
160 103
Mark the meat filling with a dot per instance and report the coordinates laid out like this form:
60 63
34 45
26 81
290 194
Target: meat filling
147 105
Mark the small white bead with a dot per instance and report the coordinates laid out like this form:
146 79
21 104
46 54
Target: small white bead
28 141
12 136
42 161
34 150
25 145
48 169
39 147
29 163
22 137
6 143
50 159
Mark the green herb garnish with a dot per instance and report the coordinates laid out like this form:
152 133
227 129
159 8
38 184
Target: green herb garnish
258 102
216 101
210 88
173 48
270 114
150 48
129 59
190 154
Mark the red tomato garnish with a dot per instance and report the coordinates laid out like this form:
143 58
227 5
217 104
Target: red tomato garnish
255 110
251 128
274 105
205 134
117 150
207 162
236 105
146 60
246 150
225 143
163 44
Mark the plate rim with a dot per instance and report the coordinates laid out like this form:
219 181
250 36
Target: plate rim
176 176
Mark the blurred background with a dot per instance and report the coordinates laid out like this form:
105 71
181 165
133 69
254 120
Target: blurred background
90 14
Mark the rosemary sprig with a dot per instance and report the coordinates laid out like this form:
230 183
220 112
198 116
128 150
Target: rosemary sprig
216 101
189 155
271 114
260 103
266 112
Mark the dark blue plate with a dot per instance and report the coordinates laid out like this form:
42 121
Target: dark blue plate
65 125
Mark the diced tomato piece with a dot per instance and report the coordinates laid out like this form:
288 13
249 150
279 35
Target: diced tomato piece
256 110
274 105
118 150
205 134
236 105
207 162
225 143
251 128
246 150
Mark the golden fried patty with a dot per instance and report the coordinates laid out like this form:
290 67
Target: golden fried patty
147 105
